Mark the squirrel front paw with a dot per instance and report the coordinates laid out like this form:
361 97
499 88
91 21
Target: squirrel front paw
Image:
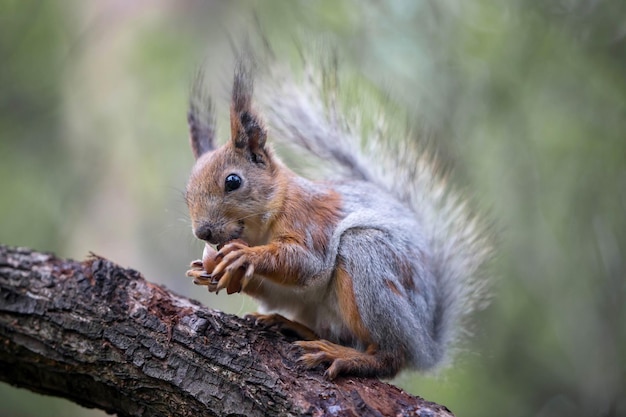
236 268
204 271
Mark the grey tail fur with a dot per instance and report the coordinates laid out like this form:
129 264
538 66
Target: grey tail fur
361 136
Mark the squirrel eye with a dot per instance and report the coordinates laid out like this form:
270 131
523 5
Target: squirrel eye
233 181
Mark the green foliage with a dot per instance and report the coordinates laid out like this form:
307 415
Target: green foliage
526 100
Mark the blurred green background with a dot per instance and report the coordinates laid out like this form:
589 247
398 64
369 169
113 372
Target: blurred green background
527 100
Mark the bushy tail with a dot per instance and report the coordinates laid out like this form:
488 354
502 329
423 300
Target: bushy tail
356 129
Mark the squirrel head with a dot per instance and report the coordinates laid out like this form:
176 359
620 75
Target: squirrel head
232 191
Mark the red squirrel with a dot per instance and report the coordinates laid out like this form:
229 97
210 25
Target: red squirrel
374 276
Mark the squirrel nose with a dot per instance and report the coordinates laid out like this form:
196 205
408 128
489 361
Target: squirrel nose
204 232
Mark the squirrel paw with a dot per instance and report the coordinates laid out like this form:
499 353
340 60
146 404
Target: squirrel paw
202 277
343 360
235 269
283 325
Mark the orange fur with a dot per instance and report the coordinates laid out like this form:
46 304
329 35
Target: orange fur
347 304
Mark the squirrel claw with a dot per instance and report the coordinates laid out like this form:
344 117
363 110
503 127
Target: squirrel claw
196 264
203 280
333 370
223 282
200 277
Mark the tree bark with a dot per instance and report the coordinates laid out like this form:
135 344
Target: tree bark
102 336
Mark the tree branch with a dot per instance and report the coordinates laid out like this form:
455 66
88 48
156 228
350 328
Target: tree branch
104 337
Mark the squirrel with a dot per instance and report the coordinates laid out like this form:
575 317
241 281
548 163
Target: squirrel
375 272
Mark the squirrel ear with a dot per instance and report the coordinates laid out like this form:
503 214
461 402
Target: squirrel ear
248 131
200 118
249 134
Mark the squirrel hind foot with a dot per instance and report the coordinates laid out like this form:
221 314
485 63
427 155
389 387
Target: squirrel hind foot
346 361
283 325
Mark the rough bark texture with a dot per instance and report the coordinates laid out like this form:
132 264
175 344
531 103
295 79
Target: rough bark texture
102 336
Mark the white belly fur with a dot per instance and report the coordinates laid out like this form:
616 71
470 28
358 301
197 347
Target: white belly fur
315 307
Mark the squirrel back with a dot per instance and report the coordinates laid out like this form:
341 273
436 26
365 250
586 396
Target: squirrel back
378 268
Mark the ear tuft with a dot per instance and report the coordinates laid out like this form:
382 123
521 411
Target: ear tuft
200 118
248 132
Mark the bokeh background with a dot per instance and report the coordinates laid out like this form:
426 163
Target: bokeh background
526 99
